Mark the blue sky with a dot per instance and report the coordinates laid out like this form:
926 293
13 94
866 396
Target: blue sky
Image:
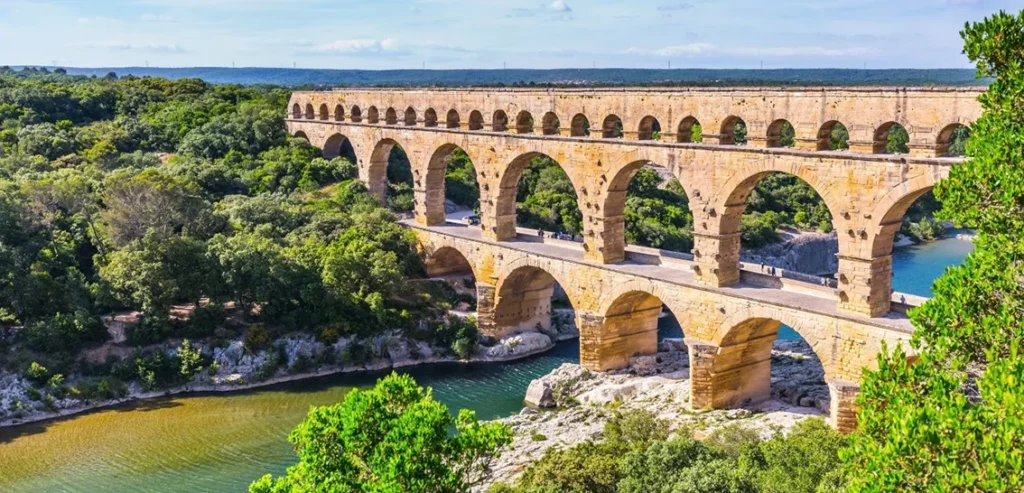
390 34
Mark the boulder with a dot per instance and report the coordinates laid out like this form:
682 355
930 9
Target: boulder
643 365
539 394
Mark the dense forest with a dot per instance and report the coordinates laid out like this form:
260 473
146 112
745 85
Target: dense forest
170 197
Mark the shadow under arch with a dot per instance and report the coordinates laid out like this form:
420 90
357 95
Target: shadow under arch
301 135
522 301
629 328
338 145
448 261
740 373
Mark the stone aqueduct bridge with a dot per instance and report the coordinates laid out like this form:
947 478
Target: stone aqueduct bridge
731 317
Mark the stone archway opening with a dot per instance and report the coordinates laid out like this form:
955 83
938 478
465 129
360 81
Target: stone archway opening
537 194
524 123
339 113
756 360
952 141
580 126
551 125
833 136
357 114
301 135
650 129
391 117
689 131
450 186
410 117
338 145
390 177
612 128
296 111
781 134
891 138
430 118
372 115
653 207
452 120
476 120
499 122
734 131
627 328
528 299
325 114
309 115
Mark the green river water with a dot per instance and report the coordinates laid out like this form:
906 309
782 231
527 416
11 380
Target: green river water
220 443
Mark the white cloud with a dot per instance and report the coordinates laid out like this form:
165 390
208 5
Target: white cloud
559 6
126 46
360 46
685 50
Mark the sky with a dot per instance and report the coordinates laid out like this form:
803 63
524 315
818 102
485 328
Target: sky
445 34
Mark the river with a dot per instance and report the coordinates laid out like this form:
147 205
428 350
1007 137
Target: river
220 443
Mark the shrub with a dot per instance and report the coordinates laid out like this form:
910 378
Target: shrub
151 329
257 338
37 373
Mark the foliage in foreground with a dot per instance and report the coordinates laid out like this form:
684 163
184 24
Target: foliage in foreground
394 438
954 419
637 457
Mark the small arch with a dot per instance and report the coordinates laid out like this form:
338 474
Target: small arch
781 134
891 138
952 140
476 120
452 120
357 114
580 126
296 111
391 117
372 115
833 136
301 135
650 129
338 145
339 113
612 127
514 202
524 123
550 124
430 118
410 117
325 114
500 121
309 111
734 132
689 131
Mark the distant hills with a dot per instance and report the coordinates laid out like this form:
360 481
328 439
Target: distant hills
567 77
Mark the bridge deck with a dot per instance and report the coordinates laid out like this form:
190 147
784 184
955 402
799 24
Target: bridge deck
792 294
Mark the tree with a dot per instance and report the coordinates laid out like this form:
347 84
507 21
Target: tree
954 419
392 438
138 203
155 272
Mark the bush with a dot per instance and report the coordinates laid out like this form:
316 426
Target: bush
65 332
150 329
257 338
37 373
205 320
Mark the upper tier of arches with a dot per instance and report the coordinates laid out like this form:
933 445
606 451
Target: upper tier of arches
853 119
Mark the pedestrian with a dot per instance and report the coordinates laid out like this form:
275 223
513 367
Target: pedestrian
762 266
540 233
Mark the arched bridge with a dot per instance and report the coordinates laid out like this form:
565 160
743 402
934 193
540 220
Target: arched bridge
617 290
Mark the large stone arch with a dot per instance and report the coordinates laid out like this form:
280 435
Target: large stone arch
522 296
430 183
447 260
505 198
338 145
628 327
375 174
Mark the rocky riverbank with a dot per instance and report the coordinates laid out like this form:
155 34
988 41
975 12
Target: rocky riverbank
292 358
573 404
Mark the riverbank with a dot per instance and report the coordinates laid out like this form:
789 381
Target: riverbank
293 358
573 404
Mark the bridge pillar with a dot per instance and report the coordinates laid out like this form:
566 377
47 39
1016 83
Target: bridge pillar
843 405
604 239
485 319
607 343
865 285
429 206
736 375
717 258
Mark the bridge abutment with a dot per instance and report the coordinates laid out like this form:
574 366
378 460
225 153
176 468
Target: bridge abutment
865 285
717 258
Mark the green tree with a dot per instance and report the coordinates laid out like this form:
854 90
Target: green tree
394 438
153 202
153 273
954 420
